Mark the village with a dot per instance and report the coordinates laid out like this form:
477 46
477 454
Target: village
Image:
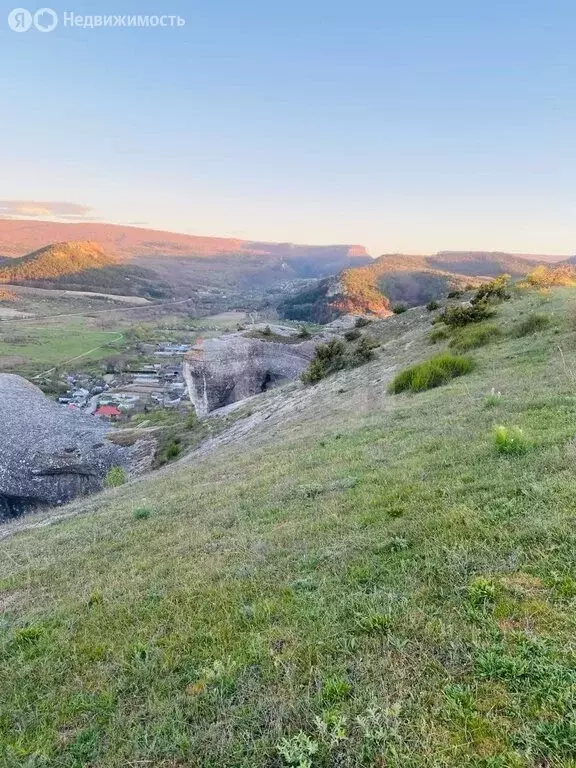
158 384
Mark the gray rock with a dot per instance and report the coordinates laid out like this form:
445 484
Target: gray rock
231 368
50 454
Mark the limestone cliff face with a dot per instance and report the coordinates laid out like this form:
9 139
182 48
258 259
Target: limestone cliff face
50 454
228 369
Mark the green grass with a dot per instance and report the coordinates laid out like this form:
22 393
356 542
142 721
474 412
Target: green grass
431 373
474 336
369 583
33 348
531 324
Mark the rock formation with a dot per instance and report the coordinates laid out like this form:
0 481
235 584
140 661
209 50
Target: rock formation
230 368
50 454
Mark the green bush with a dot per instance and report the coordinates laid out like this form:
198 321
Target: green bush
432 305
532 324
474 336
495 289
510 440
362 322
327 359
304 333
115 477
334 356
458 316
455 294
398 309
431 373
352 334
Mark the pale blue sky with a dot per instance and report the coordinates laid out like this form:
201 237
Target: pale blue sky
414 125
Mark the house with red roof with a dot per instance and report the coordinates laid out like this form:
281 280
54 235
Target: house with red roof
109 412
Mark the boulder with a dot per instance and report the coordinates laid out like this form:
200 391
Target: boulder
224 370
49 454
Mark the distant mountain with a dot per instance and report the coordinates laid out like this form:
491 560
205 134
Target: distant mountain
188 262
489 263
401 278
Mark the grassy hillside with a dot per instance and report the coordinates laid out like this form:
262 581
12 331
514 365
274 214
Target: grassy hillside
361 579
55 261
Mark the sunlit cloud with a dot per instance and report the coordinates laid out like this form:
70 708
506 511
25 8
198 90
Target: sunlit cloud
30 209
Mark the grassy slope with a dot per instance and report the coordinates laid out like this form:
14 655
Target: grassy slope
372 556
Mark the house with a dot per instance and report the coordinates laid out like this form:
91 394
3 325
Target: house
109 412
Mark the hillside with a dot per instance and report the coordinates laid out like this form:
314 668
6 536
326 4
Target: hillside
374 288
344 578
188 261
400 278
55 261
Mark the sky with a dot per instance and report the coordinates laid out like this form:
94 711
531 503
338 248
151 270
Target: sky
408 126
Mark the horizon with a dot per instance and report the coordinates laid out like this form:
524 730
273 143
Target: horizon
408 129
280 242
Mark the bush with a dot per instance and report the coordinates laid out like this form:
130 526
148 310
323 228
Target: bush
398 309
510 440
304 333
495 289
431 373
362 322
454 294
475 336
115 477
334 356
328 358
352 335
532 324
363 353
456 317
432 305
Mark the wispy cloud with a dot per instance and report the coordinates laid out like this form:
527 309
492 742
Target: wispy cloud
30 209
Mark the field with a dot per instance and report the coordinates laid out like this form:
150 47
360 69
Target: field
28 348
363 579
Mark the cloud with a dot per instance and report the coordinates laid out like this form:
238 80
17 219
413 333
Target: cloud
10 209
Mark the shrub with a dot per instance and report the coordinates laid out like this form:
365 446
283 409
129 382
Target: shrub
352 334
532 324
432 305
334 356
510 440
362 322
454 294
398 309
438 334
304 333
456 317
475 336
431 373
115 477
363 353
328 358
495 289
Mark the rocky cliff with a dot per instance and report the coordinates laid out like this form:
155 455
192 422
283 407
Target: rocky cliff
50 454
228 369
